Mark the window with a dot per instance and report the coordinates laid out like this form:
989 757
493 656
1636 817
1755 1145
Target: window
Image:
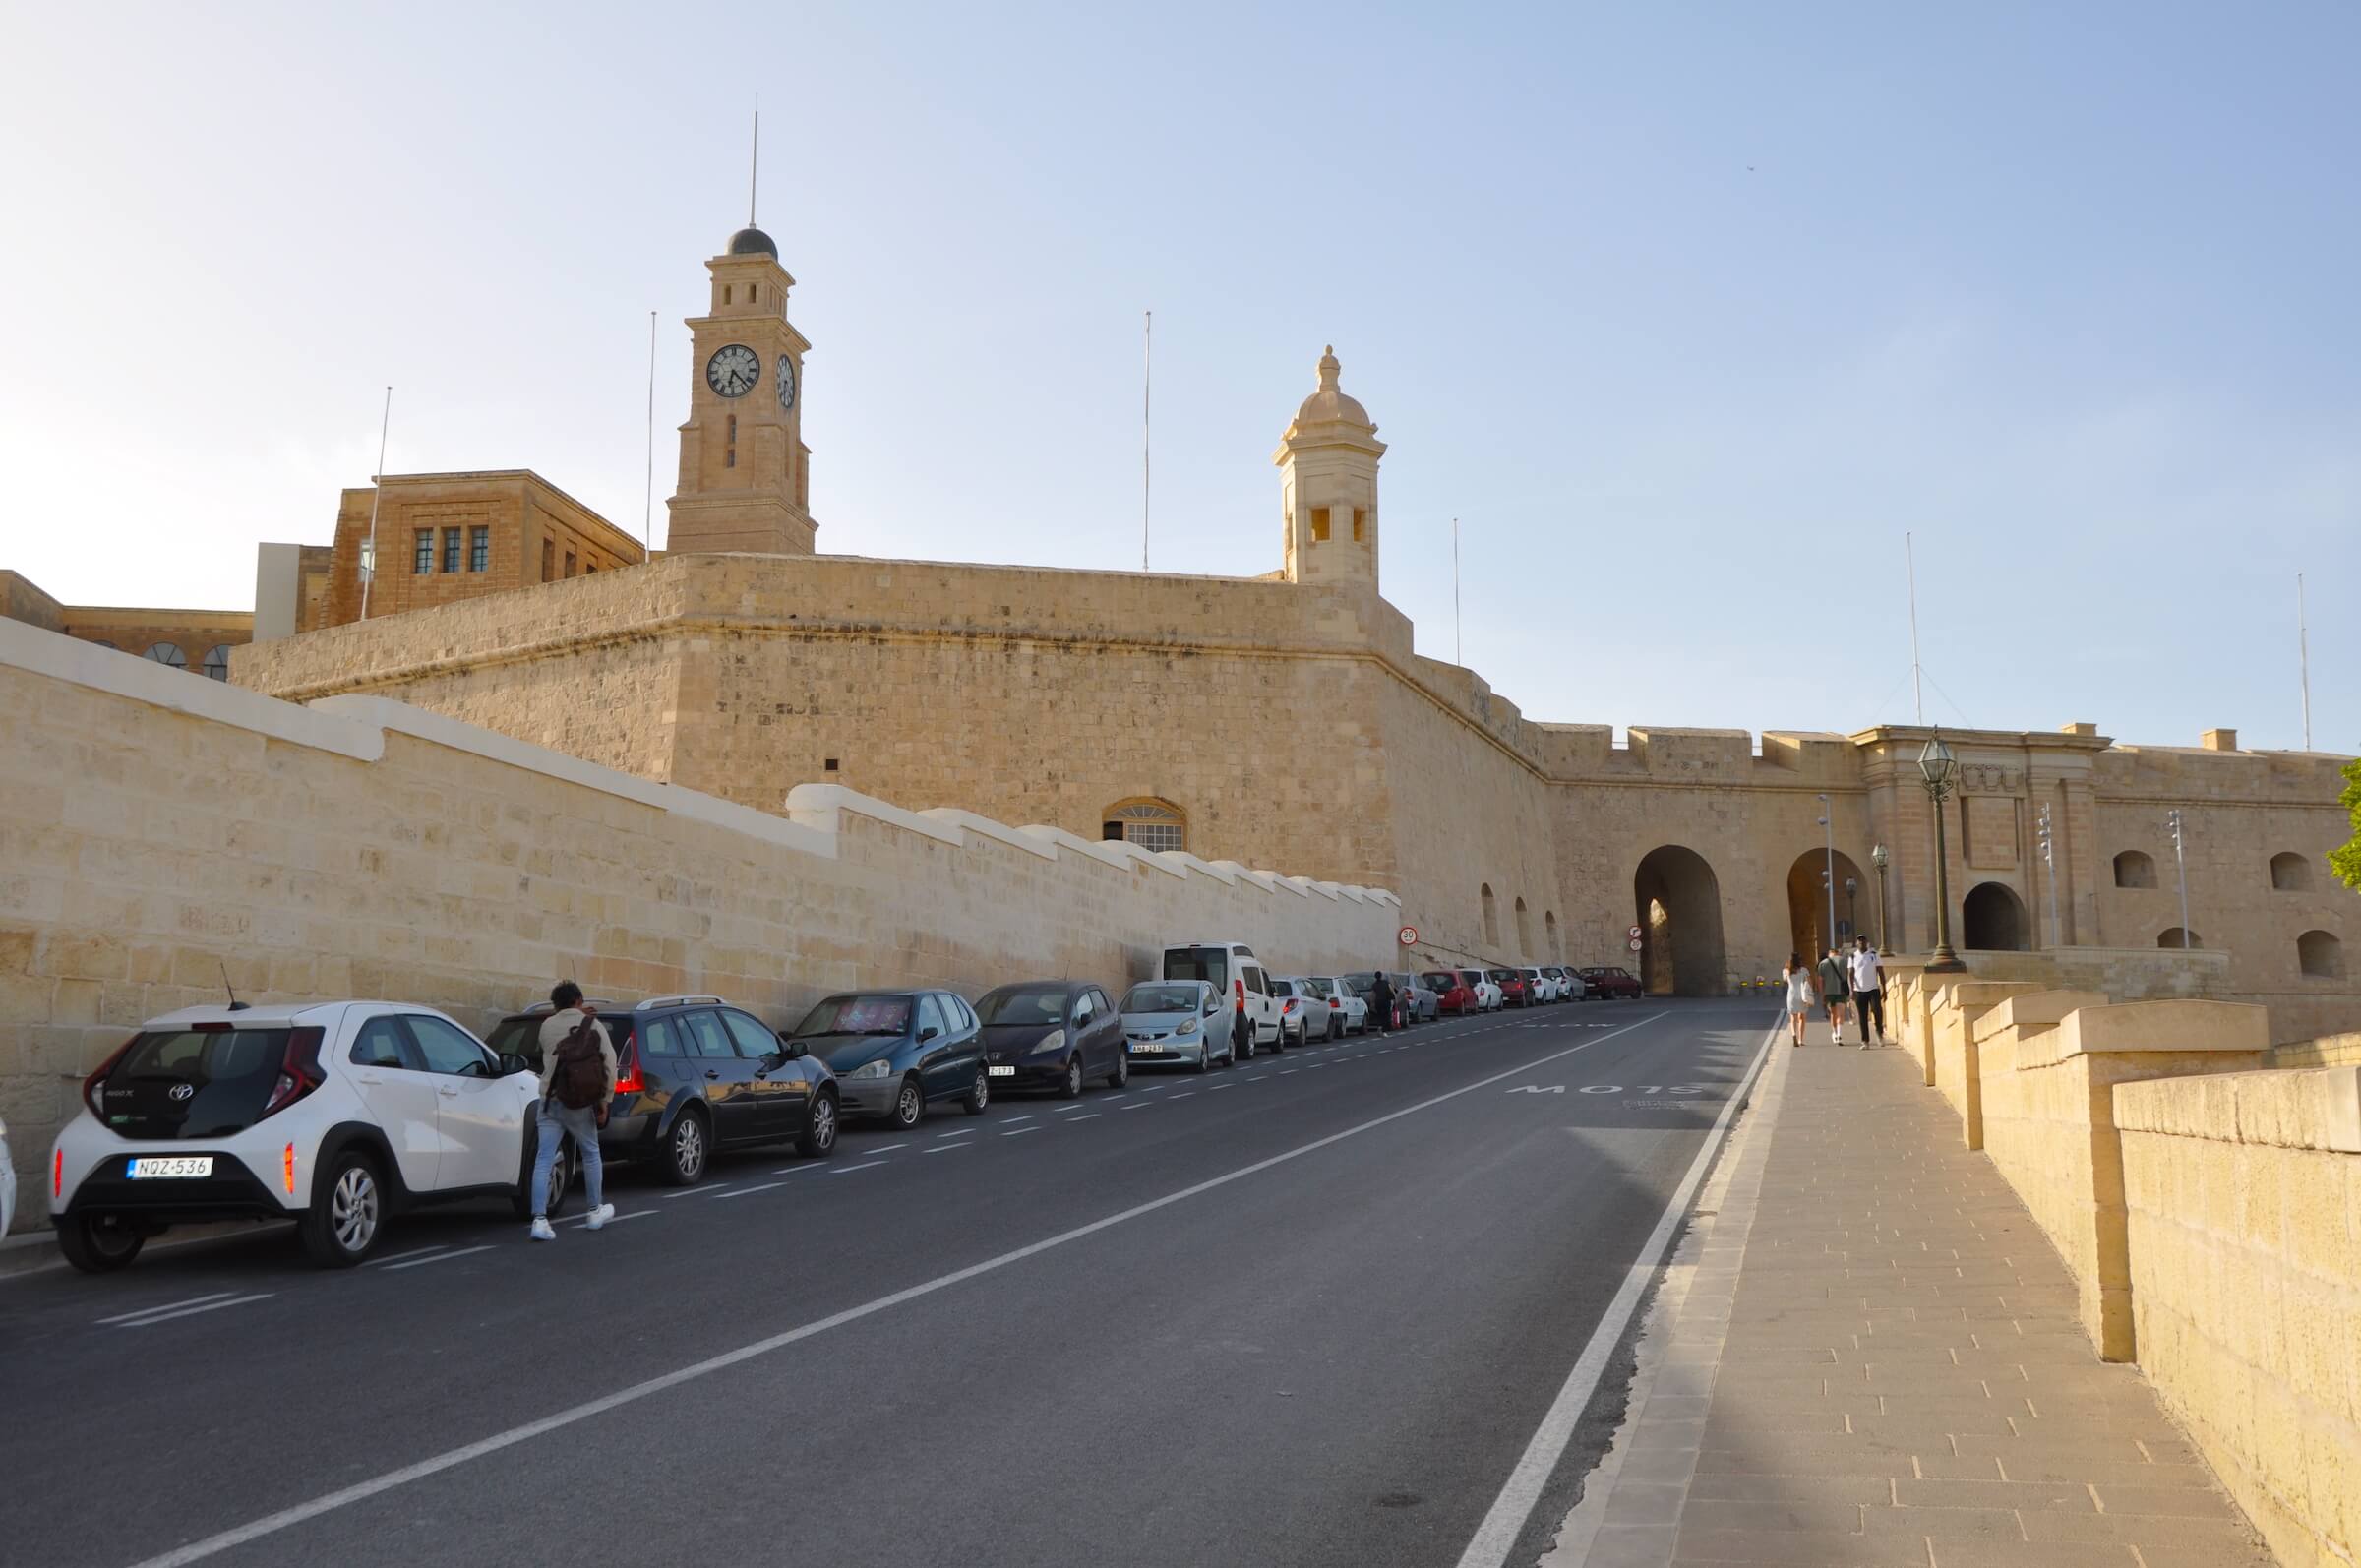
1358 518
828 765
168 653
755 1043
378 1045
423 562
1524 928
2134 869
216 662
729 457
725 293
548 559
2290 872
450 549
570 563
2174 937
706 1033
929 1015
1320 524
662 1040
446 1048
1491 916
2319 954
1154 825
1084 1009
753 291
479 549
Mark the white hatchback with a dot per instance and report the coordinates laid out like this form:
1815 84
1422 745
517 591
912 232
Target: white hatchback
333 1114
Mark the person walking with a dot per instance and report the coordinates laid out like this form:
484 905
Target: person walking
577 1079
1381 1003
1836 991
1799 993
1868 990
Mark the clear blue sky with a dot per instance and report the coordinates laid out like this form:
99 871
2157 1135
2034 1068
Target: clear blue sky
1687 314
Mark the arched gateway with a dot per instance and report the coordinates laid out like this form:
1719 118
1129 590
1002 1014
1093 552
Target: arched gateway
1676 902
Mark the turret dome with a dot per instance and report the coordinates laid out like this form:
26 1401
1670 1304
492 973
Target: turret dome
1328 405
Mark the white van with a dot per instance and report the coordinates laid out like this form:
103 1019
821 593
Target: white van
1231 969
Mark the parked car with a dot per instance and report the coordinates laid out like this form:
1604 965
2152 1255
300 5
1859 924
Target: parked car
1231 969
693 1076
1487 989
1052 1035
334 1115
1420 1003
1538 987
1454 996
1569 984
8 1183
1610 984
1301 1010
1514 993
1177 1021
1350 1011
895 1052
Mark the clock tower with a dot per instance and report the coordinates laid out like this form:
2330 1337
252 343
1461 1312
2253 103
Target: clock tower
745 470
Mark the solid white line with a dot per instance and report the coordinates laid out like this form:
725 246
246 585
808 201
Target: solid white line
191 1311
1019 1132
440 1258
344 1496
848 1169
1496 1536
743 1191
166 1306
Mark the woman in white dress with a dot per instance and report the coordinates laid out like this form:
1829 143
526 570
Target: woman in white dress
1801 994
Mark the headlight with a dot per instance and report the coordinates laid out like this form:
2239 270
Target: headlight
1053 1041
1189 1026
880 1068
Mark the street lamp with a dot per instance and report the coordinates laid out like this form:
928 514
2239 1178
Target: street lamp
1853 905
2050 859
2180 862
1881 859
1940 767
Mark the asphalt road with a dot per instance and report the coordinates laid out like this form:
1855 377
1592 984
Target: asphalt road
1306 1311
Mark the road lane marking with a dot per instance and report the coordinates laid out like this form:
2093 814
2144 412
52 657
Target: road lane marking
1027 1117
417 1252
791 1169
1093 1116
1184 1094
1118 1098
1496 1536
961 1133
888 1149
866 1165
166 1306
1226 1086
743 1191
612 1219
440 1258
1019 1132
1141 1106
946 1148
449 1459
1289 1072
1062 1109
150 1319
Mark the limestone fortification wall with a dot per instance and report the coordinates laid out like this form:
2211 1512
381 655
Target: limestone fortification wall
160 827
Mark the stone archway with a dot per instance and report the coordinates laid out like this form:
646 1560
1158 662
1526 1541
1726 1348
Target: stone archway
1676 902
1807 901
1992 920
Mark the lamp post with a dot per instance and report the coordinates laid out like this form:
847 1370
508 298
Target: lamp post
1853 905
2050 861
1941 769
1827 876
2180 862
1881 859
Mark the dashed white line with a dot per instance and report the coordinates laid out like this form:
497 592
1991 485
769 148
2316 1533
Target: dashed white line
946 1148
1292 1072
1115 1099
1226 1086
1062 1109
1184 1094
1141 1106
960 1133
785 1170
635 1214
692 1193
1027 1117
150 1319
1019 1132
166 1306
848 1169
887 1149
743 1191
416 1252
1093 1116
438 1257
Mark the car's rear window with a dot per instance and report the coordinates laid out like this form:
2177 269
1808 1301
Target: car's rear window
232 1072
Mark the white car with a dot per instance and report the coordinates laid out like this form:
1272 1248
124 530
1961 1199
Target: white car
334 1115
1543 987
1487 989
1231 969
1348 1013
1569 984
8 1183
1304 1013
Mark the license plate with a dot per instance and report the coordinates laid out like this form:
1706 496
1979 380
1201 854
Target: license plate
1142 1048
166 1167
1001 1072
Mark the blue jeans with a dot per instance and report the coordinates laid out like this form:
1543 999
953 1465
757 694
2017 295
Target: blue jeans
557 1122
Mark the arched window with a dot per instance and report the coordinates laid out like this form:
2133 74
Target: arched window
1151 823
1524 930
2174 937
216 662
168 653
2134 869
2290 872
1549 933
1491 918
2319 954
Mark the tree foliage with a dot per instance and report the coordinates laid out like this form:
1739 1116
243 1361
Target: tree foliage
2346 862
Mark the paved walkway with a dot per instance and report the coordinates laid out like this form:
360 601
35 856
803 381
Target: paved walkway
1866 1355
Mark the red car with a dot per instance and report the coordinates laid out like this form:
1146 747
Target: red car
1457 999
1610 985
1514 993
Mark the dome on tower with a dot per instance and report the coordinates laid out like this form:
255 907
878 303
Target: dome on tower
1328 403
753 242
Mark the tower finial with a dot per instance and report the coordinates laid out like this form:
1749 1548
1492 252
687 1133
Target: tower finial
1328 368
754 169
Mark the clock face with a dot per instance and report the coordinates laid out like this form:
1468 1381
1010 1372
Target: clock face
732 371
786 382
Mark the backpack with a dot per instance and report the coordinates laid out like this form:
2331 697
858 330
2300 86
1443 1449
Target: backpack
581 1079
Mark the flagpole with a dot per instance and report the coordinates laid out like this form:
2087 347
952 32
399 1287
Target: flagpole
647 504
377 497
1918 694
1147 386
1456 656
2303 659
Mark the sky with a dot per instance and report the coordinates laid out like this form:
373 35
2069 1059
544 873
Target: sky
1687 315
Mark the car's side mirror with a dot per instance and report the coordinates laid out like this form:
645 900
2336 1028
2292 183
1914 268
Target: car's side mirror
1212 1007
928 1033
511 1064
796 1050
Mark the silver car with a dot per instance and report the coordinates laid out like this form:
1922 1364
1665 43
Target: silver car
1177 1023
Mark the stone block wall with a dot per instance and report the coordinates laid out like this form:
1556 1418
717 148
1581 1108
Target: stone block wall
161 829
2243 1194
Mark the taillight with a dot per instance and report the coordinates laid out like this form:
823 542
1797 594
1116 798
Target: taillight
1241 994
57 1173
627 1074
97 1080
1333 1003
298 1070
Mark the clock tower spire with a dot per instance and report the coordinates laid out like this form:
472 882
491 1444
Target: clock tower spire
745 470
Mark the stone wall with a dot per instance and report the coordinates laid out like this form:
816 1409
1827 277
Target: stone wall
2243 1193
162 828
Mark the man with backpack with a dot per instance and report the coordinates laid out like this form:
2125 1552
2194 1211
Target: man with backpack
577 1079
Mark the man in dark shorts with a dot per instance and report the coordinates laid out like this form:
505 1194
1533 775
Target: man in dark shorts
1868 990
1836 991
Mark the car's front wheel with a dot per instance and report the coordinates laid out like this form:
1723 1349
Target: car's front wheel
98 1243
1071 1089
819 1131
909 1105
347 1210
686 1150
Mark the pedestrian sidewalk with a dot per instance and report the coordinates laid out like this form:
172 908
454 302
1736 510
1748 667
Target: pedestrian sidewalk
1865 1355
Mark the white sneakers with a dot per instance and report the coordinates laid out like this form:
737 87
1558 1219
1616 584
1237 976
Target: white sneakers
543 1231
599 1216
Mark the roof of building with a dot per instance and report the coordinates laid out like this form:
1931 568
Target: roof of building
751 241
1327 403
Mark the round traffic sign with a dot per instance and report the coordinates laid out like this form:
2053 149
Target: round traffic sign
1408 936
1635 945
1635 934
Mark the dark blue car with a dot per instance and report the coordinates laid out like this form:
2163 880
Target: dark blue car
894 1053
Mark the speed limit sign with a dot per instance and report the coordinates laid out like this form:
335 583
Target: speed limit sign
1635 945
1408 936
